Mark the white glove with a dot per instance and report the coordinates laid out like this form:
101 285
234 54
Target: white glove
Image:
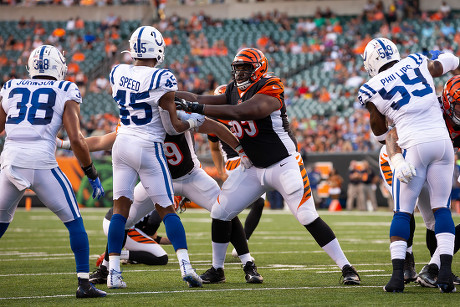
245 161
404 170
195 120
62 144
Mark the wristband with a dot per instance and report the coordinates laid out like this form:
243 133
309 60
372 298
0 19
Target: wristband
197 108
90 171
382 137
192 123
396 159
239 149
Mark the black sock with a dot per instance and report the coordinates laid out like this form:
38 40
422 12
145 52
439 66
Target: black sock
398 266
431 242
83 282
158 239
320 231
147 258
253 218
238 238
221 231
412 230
457 239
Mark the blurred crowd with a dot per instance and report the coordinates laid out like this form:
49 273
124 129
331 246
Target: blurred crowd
320 34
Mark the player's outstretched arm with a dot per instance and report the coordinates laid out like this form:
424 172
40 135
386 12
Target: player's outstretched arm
202 99
173 125
71 120
444 63
101 142
218 159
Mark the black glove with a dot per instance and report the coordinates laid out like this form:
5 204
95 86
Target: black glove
187 106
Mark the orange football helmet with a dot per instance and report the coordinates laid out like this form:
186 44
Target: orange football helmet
256 60
451 99
220 89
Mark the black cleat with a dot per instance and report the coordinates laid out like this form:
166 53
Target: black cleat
252 276
455 279
409 268
396 283
213 276
445 281
88 290
428 275
350 276
99 276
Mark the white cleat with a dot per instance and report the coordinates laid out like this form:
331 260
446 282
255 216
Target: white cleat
193 279
115 280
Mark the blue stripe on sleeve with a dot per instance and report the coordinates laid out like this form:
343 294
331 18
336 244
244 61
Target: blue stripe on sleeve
159 77
111 74
67 86
369 88
153 79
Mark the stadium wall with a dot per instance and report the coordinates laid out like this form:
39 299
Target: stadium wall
230 9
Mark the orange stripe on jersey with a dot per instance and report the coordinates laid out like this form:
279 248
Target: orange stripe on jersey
140 238
224 121
386 169
306 182
273 87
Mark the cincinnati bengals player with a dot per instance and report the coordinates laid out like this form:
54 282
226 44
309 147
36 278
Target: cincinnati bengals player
254 102
220 151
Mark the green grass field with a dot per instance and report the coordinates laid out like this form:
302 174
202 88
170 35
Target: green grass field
37 266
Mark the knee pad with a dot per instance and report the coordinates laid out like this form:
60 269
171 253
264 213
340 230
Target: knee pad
307 213
291 181
444 222
218 212
400 225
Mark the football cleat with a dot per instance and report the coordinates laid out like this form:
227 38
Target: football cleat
428 275
409 268
100 259
445 281
350 276
396 283
99 276
455 279
89 291
213 276
252 276
115 280
192 279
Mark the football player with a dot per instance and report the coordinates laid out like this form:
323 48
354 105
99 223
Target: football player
142 92
403 91
32 112
189 180
221 152
254 102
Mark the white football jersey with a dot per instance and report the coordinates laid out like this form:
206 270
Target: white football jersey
405 94
137 90
34 109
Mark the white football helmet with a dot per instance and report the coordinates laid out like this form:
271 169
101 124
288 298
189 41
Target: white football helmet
147 43
47 60
379 52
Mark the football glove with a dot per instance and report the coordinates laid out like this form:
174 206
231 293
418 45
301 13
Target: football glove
98 190
62 144
188 106
195 120
435 54
404 170
245 161
93 177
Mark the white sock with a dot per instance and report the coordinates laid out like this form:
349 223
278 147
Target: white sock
334 251
184 260
124 255
245 258
446 243
218 254
409 249
105 263
435 258
83 275
398 249
114 263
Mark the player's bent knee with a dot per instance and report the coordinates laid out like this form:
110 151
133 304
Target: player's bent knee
307 215
218 212
291 181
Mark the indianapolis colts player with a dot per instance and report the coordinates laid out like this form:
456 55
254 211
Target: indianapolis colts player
32 112
144 92
403 91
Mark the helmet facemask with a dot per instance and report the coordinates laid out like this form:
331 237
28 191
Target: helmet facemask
242 73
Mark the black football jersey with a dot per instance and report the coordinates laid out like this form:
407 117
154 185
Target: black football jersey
268 140
180 154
